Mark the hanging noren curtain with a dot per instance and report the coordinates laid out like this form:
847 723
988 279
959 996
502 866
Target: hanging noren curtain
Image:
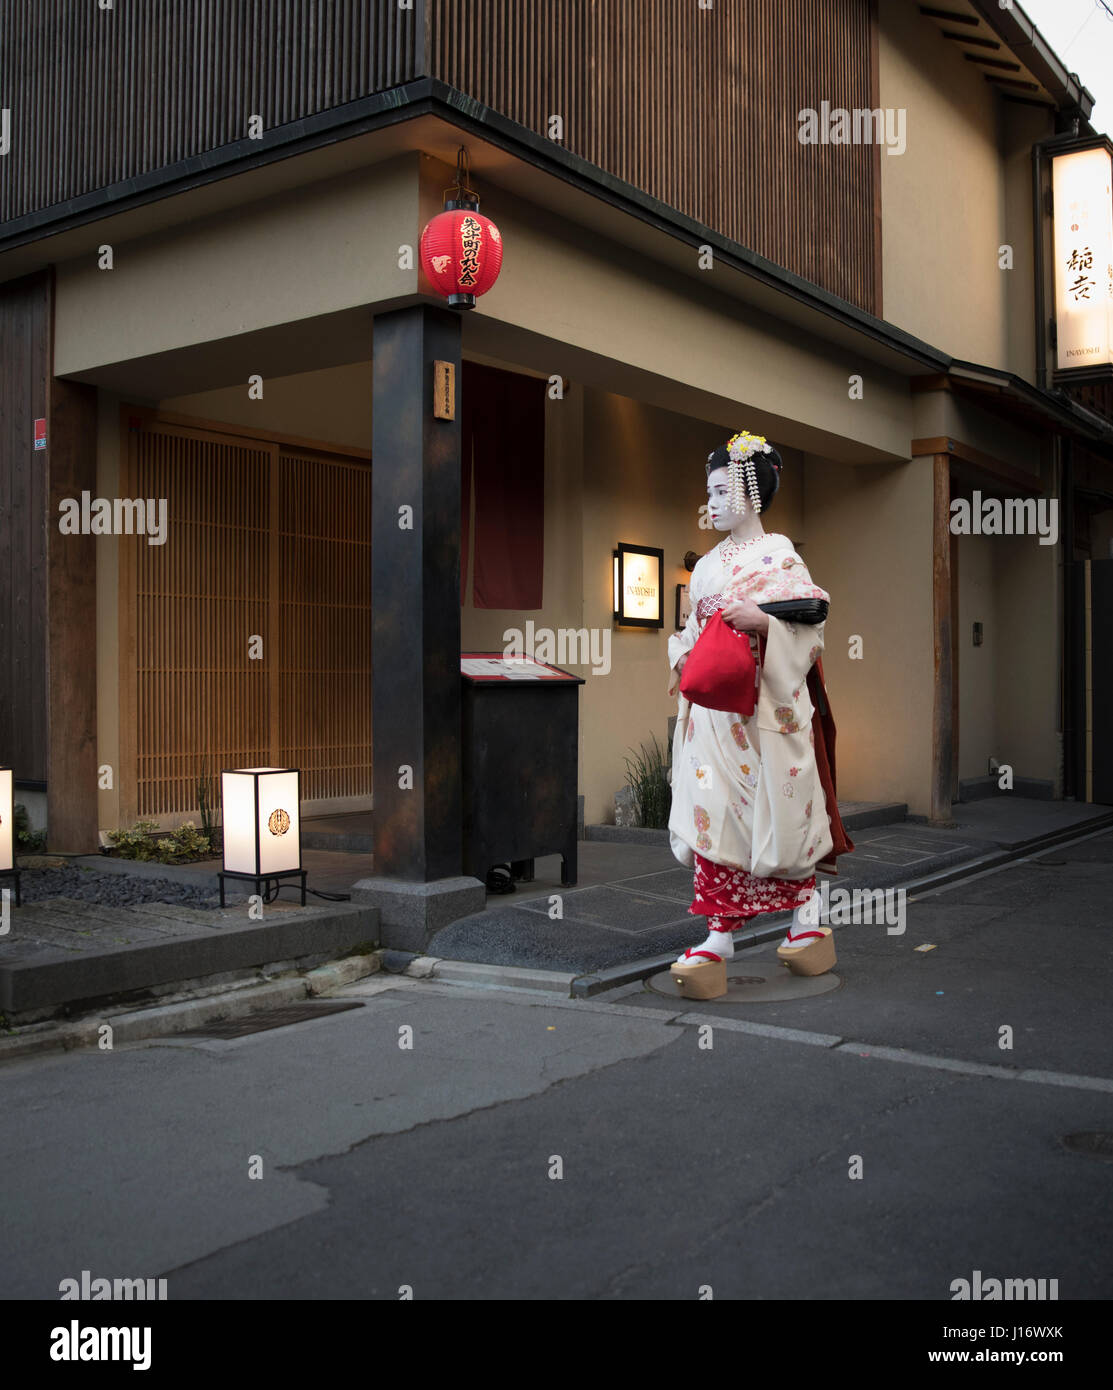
503 441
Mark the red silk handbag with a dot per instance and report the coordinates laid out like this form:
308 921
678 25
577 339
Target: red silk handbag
720 672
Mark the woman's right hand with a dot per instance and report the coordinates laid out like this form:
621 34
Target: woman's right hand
674 677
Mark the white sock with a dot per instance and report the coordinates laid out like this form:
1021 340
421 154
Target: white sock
720 942
804 918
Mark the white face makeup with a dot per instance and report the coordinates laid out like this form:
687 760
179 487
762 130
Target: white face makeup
718 507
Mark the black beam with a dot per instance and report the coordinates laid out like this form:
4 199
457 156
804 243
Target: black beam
415 598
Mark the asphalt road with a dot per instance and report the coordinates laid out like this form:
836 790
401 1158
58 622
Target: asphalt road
532 1148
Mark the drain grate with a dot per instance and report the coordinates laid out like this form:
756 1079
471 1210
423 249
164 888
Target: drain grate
1094 1143
268 1018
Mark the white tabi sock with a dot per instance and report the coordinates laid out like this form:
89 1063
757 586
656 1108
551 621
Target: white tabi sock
719 942
804 918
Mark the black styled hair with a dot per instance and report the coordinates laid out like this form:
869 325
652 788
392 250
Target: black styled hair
768 468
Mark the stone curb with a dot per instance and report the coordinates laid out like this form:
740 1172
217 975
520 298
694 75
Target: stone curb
466 972
81 979
167 1019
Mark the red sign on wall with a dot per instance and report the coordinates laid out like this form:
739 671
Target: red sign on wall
40 434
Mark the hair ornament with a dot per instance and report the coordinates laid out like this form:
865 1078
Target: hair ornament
741 472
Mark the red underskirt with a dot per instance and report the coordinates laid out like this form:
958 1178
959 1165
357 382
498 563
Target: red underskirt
725 892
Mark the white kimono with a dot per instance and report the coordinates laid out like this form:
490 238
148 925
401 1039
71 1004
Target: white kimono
746 791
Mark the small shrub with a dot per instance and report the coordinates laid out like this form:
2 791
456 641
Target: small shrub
205 804
135 843
27 841
189 842
177 847
647 777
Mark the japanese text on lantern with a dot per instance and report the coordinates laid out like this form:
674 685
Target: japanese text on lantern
470 242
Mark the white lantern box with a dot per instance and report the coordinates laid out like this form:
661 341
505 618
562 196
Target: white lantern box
7 828
262 824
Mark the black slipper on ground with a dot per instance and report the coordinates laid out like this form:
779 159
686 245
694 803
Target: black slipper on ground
499 879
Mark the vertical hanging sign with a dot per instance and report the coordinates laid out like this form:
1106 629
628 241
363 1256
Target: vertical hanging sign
444 391
40 434
1082 201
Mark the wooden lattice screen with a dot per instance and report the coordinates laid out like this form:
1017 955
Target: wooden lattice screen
324 628
264 544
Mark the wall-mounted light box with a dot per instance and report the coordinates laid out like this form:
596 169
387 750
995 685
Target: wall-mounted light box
638 575
1082 248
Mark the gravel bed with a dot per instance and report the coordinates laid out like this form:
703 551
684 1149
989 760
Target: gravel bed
113 890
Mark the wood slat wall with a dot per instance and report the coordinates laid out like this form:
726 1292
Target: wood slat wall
263 543
24 482
697 107
324 625
199 600
97 96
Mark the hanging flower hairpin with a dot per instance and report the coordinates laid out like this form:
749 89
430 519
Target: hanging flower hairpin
742 471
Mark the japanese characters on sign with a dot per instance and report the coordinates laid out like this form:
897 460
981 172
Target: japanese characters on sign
1082 199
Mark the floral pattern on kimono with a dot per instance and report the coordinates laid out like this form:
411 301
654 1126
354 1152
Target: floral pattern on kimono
759 779
724 893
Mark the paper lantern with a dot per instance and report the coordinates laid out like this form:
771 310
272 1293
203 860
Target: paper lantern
7 838
461 252
262 824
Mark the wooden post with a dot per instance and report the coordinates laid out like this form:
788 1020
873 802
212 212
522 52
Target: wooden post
415 599
942 733
71 602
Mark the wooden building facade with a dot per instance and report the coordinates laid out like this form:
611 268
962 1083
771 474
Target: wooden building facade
228 192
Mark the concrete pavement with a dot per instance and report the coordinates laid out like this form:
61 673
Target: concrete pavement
681 1165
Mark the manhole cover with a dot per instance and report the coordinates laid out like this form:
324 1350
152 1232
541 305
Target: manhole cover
752 984
1094 1143
268 1018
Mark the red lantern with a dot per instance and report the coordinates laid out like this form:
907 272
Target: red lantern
461 250
461 253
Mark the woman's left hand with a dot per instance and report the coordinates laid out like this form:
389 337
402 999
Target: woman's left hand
744 615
